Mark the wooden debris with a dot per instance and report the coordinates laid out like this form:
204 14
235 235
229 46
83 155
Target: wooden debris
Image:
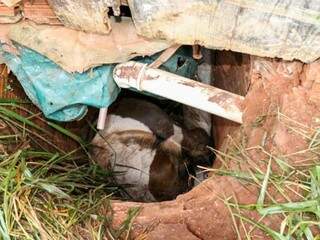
165 56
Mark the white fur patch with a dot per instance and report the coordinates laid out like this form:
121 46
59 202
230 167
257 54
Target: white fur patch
177 136
115 123
134 164
130 159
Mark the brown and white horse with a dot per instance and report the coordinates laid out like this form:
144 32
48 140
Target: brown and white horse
149 151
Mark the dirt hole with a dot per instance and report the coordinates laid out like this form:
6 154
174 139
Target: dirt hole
172 157
170 167
295 93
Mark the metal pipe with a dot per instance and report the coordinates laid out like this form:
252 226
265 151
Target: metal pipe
202 96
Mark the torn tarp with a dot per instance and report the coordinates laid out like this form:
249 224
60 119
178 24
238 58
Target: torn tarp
61 96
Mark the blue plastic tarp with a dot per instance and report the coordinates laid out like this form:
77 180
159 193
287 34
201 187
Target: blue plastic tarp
62 96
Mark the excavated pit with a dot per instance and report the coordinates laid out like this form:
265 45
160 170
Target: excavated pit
280 102
279 96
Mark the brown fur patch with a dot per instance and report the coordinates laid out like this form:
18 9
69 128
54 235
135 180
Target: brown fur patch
195 144
147 113
168 175
103 153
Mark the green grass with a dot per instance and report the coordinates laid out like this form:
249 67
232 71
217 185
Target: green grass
47 193
297 186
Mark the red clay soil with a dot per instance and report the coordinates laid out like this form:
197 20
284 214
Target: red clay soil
291 88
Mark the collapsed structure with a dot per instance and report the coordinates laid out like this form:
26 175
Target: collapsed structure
45 28
70 45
